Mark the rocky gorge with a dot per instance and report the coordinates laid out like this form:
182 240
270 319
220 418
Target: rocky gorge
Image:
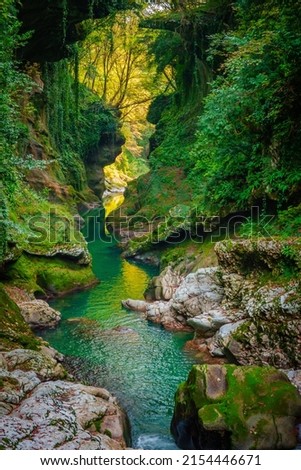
245 311
219 146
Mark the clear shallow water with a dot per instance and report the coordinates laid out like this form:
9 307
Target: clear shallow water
139 362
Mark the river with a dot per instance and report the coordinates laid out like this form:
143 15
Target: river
108 346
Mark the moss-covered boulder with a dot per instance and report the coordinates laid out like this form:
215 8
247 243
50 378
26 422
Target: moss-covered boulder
14 331
260 255
230 407
48 276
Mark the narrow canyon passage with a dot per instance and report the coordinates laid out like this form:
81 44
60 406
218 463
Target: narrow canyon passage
141 363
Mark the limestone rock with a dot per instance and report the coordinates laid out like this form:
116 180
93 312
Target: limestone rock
15 332
208 323
62 415
241 256
295 377
43 366
40 411
229 407
197 293
163 287
150 257
38 314
39 16
270 302
136 305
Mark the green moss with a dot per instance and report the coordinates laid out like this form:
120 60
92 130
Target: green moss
95 424
42 275
39 225
251 391
211 416
14 332
107 432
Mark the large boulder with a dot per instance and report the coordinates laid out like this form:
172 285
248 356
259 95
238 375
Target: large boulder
79 253
196 294
271 330
62 415
38 314
230 407
163 287
40 410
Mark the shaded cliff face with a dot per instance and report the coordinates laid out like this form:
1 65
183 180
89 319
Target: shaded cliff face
63 127
55 25
104 154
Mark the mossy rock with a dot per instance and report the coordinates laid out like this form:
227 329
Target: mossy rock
14 332
230 407
49 276
262 255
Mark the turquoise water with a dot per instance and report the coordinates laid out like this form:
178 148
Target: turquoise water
108 346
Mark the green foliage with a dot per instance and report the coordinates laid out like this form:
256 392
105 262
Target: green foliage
249 134
3 225
286 224
180 52
12 131
14 331
77 119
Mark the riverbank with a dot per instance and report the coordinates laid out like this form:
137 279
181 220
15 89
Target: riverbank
245 311
41 406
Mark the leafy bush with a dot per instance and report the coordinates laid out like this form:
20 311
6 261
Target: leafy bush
249 136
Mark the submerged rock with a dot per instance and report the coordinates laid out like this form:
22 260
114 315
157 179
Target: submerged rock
38 314
229 407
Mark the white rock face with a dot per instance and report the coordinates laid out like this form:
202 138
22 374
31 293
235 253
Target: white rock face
163 287
40 411
198 293
136 305
231 309
208 323
38 314
268 301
